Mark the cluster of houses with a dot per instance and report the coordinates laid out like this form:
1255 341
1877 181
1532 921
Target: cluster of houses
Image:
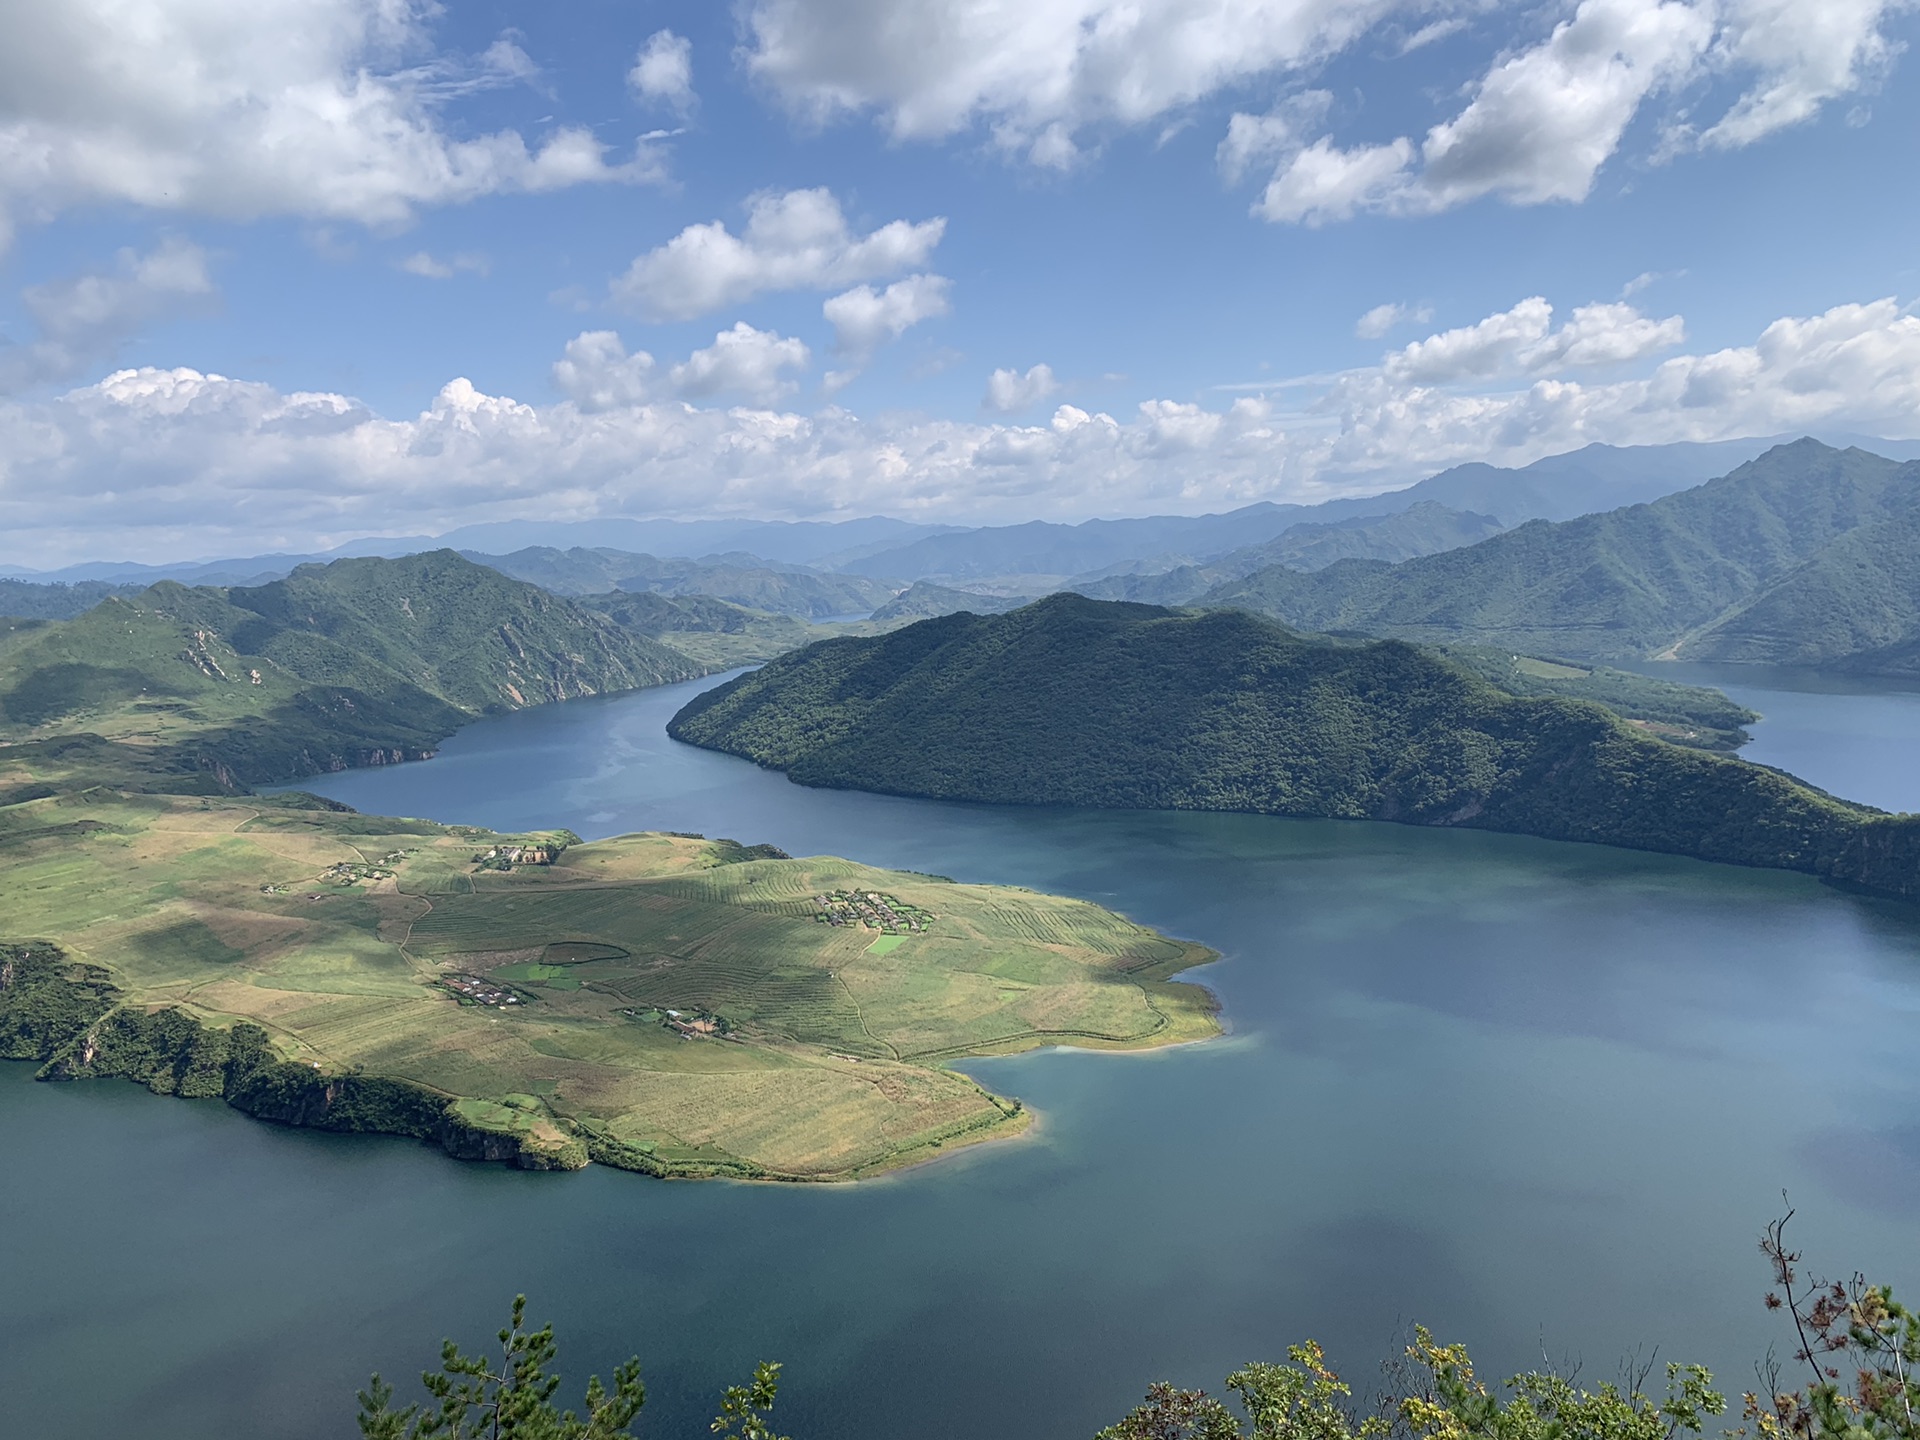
689 1024
349 872
505 857
472 990
871 909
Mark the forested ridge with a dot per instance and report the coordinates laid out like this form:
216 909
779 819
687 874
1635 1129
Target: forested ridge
1079 702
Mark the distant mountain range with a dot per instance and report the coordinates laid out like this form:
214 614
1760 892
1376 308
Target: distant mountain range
738 578
1072 701
1598 477
1806 555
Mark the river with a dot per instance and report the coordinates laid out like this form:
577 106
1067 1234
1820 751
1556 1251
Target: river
1537 1096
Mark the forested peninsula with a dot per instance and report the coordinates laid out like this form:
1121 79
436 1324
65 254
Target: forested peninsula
1073 701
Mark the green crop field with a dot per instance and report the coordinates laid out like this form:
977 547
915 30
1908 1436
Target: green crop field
642 997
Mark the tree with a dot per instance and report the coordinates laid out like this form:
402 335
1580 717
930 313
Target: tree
473 1398
1855 1324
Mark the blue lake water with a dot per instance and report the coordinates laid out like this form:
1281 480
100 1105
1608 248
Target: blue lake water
1529 1094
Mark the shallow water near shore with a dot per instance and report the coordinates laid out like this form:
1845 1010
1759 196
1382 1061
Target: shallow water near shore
1529 1094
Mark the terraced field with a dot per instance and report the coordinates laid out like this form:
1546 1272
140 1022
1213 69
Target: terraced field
650 1003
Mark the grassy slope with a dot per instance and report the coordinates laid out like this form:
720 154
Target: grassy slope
1623 583
839 1071
1079 702
358 662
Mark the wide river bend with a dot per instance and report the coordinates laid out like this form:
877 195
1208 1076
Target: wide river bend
1534 1095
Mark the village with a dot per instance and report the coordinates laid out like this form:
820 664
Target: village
689 1024
505 857
872 909
472 990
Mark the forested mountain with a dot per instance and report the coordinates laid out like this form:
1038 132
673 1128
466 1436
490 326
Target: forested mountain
27 600
1633 582
741 579
1423 529
357 662
1855 604
923 600
1078 702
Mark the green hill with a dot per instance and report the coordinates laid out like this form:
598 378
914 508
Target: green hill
1079 702
1626 583
923 600
358 662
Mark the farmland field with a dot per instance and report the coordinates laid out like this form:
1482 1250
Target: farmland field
649 997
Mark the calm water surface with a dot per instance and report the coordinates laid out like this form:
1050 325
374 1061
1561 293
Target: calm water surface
1530 1094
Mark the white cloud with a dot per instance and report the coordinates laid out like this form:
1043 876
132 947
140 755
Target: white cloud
158 463
1035 72
323 109
1806 54
742 361
796 241
1009 390
663 71
1605 334
864 319
1472 351
85 318
597 373
1382 318
1324 182
1523 340
430 267
1543 120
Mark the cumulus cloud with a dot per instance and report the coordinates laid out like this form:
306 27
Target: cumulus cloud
743 361
430 267
799 240
662 73
150 463
864 319
1806 55
1543 120
324 109
596 373
1522 339
1033 73
83 319
1009 390
1382 318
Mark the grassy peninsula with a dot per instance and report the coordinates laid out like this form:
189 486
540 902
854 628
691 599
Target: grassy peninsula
659 1003
1080 702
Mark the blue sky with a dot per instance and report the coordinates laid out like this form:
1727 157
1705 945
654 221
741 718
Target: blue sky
288 231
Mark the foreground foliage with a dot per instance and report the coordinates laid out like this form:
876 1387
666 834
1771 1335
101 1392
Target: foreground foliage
474 1398
1433 1393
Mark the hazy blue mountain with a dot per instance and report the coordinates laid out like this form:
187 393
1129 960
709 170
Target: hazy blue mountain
1423 529
26 600
923 600
1624 583
1599 477
741 579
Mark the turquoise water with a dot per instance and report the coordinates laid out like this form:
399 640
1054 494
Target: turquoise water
1530 1094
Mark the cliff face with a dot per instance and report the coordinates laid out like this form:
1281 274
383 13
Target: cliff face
70 1016
1883 856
